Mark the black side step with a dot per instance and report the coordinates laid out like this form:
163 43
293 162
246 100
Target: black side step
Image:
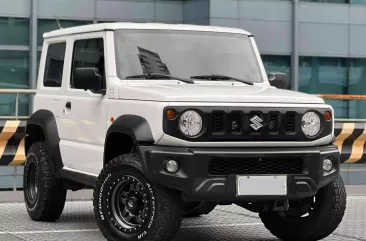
78 177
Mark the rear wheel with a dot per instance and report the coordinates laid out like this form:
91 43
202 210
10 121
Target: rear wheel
128 207
310 219
44 193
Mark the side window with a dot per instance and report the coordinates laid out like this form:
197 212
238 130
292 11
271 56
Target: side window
54 65
88 53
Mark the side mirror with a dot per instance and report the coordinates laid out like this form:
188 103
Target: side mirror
278 80
88 78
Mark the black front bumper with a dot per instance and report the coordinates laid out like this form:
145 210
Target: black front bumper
197 182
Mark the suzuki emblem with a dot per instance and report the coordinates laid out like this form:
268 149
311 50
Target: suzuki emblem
256 122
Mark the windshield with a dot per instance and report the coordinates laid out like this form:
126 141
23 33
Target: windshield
185 54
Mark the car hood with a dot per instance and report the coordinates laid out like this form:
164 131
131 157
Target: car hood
226 93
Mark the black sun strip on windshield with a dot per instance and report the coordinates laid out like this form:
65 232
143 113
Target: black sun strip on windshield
151 62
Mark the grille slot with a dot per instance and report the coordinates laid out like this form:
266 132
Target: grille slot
273 122
290 122
217 122
235 125
254 166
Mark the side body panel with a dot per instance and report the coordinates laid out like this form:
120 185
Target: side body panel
82 122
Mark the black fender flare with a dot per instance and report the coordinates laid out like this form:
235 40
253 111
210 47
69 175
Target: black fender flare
134 126
46 120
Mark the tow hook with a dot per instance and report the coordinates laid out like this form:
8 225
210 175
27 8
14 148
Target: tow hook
281 205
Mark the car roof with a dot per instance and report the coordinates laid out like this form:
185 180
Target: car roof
139 26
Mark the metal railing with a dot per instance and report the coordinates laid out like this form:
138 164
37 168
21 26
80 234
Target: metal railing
17 92
344 97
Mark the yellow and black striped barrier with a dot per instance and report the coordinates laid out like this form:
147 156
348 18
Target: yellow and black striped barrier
351 139
12 142
351 142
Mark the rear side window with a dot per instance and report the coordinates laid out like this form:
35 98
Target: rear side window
54 65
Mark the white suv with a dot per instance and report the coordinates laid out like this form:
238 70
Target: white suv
167 121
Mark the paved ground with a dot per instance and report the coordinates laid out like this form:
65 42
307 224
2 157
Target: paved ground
224 223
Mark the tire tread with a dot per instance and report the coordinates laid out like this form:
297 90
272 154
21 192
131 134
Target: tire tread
328 220
169 210
52 200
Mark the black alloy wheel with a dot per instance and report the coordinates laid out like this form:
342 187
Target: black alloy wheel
32 184
130 204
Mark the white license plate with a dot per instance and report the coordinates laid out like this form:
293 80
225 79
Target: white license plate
261 185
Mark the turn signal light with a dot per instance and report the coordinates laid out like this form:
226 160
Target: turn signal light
327 115
171 114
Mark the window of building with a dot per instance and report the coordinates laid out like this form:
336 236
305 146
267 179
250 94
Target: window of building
323 75
326 1
54 65
326 75
357 1
14 73
14 31
357 86
278 63
88 53
47 25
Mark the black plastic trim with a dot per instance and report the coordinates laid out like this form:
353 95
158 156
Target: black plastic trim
134 126
196 184
45 119
77 177
171 127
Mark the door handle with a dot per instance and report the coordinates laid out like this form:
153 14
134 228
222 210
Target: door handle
68 105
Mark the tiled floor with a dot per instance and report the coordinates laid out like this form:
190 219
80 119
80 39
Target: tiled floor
224 223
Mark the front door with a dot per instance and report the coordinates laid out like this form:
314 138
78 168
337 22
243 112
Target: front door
83 119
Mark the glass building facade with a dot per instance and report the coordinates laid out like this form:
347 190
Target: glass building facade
329 53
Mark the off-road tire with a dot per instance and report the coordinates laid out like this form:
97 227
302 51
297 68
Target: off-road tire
165 207
325 219
49 200
194 210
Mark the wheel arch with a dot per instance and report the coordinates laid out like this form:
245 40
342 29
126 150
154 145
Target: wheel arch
42 126
131 130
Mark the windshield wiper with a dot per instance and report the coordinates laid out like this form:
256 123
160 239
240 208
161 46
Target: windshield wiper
221 77
159 76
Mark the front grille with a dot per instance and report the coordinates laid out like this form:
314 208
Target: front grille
253 166
248 124
271 125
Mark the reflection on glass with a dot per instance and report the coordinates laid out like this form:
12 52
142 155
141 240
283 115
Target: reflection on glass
14 31
326 75
357 1
188 53
14 73
326 1
323 75
276 63
357 86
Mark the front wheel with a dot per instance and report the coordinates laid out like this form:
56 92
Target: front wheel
128 207
310 219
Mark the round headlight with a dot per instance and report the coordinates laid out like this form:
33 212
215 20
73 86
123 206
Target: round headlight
310 124
190 123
